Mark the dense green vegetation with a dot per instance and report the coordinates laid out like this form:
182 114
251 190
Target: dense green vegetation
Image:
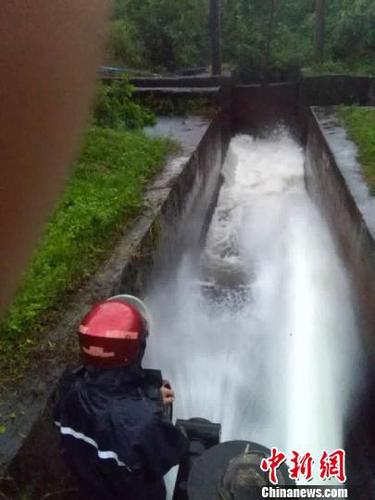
261 38
159 34
115 107
360 123
179 105
104 194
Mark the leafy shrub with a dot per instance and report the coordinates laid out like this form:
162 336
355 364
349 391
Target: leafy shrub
179 105
358 67
115 108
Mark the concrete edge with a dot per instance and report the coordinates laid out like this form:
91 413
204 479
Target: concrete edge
328 184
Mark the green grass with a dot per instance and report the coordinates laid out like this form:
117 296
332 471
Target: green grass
104 193
360 123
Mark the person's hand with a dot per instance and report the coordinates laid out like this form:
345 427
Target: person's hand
167 393
44 108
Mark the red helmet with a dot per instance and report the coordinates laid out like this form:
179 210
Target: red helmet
114 332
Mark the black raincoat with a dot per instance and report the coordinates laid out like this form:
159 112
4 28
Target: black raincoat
116 440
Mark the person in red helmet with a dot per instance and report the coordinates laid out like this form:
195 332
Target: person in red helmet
115 435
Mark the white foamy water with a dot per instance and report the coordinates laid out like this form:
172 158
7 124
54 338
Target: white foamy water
279 369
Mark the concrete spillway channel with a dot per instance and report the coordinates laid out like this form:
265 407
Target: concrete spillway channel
256 255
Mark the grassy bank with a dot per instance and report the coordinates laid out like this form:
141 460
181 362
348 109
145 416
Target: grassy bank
360 123
104 193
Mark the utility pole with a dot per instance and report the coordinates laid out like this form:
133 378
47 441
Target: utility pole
320 14
215 31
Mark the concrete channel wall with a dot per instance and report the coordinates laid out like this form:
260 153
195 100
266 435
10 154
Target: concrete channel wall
257 108
335 182
183 217
178 203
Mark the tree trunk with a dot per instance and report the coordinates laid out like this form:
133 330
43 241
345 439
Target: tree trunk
270 36
215 28
320 14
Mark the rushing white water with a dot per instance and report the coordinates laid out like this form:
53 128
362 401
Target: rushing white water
274 361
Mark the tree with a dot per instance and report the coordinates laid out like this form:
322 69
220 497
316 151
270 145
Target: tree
273 6
263 36
354 31
215 29
320 13
171 34
123 47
